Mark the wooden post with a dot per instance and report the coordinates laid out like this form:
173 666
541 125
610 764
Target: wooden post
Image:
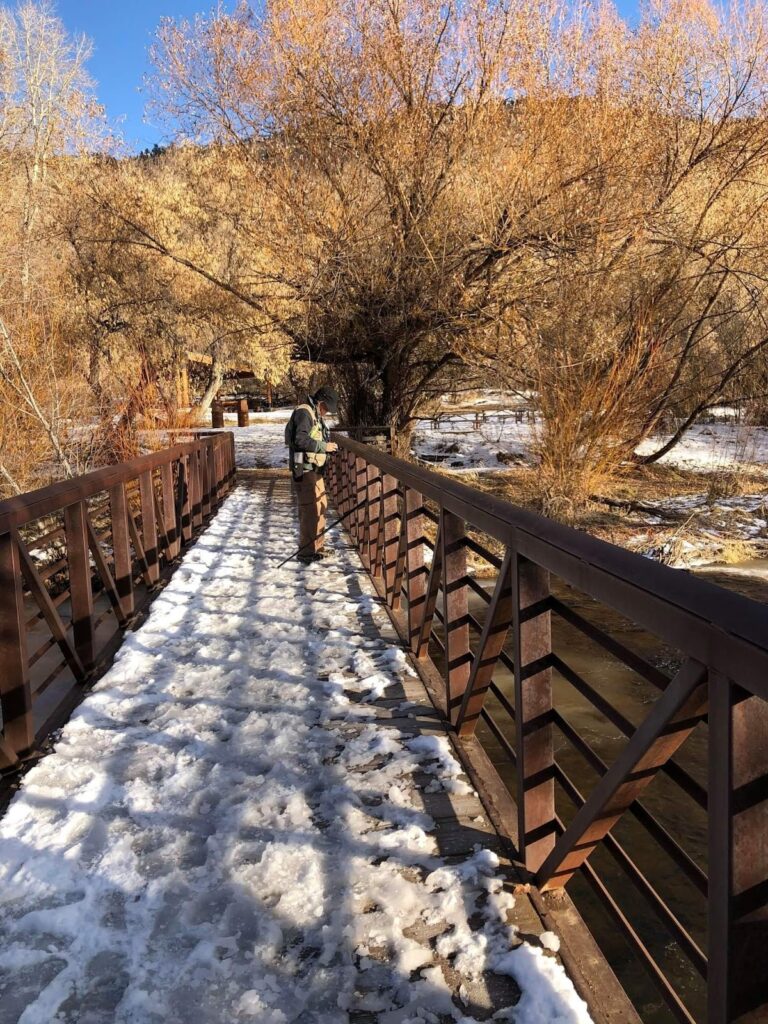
415 573
217 416
738 854
149 526
533 705
121 548
458 656
81 593
242 413
15 692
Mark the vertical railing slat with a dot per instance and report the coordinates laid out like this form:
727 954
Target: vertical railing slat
415 574
185 498
149 526
121 548
361 512
496 627
15 690
373 504
533 705
81 591
206 477
169 510
738 854
390 533
197 477
458 658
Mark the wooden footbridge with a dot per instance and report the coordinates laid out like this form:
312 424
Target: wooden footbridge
484 597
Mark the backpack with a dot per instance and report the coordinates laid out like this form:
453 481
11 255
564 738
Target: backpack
290 427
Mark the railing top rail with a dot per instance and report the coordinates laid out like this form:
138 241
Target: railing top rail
25 508
713 619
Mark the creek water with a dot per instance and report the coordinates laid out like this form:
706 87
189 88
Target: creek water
679 813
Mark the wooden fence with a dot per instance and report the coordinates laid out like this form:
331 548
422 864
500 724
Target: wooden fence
79 561
417 533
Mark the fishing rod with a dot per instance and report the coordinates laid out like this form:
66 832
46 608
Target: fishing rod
322 532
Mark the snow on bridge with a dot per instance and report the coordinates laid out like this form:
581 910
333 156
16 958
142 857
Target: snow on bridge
256 816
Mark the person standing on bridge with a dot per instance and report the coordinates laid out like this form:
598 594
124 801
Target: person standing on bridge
307 436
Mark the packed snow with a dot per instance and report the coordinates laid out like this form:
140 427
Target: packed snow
227 832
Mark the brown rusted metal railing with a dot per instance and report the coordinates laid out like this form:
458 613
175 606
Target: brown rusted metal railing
415 533
79 561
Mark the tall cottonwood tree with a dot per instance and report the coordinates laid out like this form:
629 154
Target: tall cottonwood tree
537 188
656 306
367 133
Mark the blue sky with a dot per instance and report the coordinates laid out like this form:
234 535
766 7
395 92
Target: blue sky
121 32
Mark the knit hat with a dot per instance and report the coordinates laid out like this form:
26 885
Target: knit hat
329 397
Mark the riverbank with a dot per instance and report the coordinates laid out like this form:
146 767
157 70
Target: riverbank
706 503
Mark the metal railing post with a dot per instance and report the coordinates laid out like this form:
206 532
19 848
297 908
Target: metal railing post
121 548
207 477
390 534
196 476
185 498
15 692
415 573
533 707
149 526
81 592
373 507
361 514
351 521
169 510
738 854
458 657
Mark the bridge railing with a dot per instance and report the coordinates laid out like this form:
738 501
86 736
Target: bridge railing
79 561
670 833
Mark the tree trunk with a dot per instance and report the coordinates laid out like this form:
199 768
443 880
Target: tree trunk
402 439
6 474
215 380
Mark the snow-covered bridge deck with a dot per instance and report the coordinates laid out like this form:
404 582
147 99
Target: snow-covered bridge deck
257 816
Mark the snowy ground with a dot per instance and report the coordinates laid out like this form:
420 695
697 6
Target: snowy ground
685 530
263 443
224 833
495 439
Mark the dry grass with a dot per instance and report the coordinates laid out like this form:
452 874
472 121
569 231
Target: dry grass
623 523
